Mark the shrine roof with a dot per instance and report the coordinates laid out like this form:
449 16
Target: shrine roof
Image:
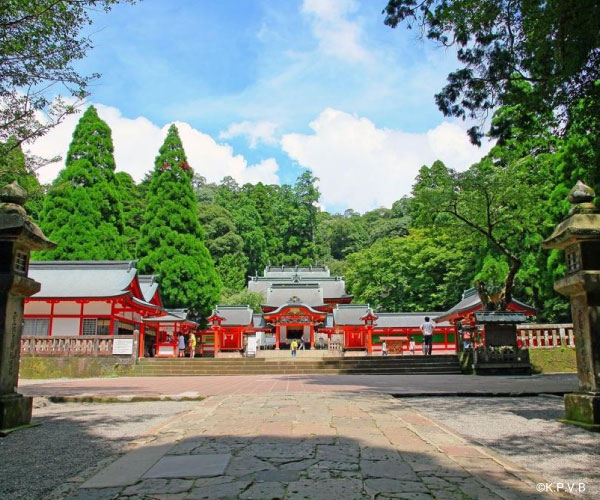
258 321
235 315
307 293
172 316
78 279
350 314
289 271
470 301
333 286
406 319
295 303
149 286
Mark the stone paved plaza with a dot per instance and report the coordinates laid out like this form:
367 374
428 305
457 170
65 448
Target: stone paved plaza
307 446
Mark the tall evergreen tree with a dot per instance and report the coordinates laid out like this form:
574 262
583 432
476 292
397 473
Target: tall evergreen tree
82 212
172 239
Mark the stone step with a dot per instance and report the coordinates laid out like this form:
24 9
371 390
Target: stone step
440 364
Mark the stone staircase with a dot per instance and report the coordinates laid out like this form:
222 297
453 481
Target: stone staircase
363 365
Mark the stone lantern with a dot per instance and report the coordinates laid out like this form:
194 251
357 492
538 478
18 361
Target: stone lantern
579 236
18 236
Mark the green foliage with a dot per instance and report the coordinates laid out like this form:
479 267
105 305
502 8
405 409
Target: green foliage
132 198
82 211
242 298
171 244
225 245
13 168
553 45
41 41
420 272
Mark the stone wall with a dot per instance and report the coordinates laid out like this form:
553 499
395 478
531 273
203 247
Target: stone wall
42 367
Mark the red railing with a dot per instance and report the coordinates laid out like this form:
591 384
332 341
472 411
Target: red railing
82 345
545 335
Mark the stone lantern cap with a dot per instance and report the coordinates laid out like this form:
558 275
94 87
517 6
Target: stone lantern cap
15 224
582 223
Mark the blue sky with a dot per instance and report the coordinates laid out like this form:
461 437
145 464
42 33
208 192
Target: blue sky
262 90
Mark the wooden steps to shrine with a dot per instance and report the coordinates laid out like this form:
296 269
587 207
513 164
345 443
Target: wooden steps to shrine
436 364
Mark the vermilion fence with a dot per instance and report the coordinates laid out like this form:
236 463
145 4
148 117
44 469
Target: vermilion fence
550 335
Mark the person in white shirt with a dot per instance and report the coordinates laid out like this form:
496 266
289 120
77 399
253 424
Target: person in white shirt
427 329
384 349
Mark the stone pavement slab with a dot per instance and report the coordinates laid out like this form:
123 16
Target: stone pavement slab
186 466
402 385
376 447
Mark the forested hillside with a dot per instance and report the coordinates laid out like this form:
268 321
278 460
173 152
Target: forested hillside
204 239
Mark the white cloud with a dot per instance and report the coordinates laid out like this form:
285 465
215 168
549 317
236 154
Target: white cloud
364 167
136 142
337 35
255 132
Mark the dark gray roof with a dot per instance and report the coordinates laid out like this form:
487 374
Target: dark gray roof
500 317
306 293
74 279
469 300
333 286
235 315
350 314
258 321
149 286
288 271
172 316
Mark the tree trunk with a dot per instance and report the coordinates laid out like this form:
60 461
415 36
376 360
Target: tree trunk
506 294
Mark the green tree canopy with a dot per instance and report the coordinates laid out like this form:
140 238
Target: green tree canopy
554 45
40 42
172 240
418 272
82 211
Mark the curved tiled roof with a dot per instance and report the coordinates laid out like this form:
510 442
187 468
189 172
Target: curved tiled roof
307 293
471 300
79 279
148 285
235 315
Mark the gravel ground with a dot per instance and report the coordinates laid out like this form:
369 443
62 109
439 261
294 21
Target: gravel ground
73 440
524 430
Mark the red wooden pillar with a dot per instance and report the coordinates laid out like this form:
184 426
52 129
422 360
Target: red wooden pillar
217 341
312 336
81 318
51 318
277 336
111 325
141 339
369 339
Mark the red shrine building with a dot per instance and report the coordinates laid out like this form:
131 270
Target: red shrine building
310 306
82 298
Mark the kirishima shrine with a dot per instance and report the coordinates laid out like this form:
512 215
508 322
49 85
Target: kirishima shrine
309 305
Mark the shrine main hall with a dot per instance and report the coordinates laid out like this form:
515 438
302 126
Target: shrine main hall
309 305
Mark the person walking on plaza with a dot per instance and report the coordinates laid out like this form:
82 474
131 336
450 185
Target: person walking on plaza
192 345
294 347
384 349
181 345
427 329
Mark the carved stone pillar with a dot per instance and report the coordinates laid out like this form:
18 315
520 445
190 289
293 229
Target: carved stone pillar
579 236
18 236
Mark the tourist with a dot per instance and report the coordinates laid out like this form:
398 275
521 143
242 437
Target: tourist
411 346
181 345
384 349
192 345
427 329
294 347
